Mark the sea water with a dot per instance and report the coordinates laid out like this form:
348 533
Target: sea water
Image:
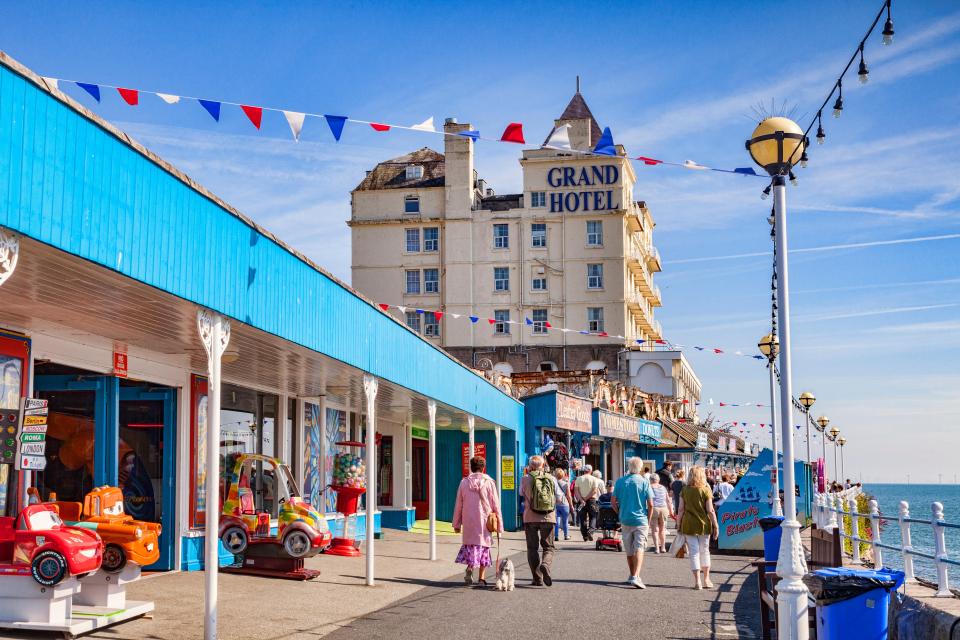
919 497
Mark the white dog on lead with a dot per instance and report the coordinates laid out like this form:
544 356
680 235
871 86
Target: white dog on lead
505 575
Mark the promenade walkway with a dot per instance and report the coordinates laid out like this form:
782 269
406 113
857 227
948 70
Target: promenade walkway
417 598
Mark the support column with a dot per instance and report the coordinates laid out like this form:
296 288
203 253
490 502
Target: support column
432 480
322 462
408 466
370 386
499 477
214 332
471 433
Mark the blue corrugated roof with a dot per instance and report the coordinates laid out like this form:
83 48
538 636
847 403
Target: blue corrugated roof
73 181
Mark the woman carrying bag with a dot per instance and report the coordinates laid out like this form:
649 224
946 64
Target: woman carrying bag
477 513
698 520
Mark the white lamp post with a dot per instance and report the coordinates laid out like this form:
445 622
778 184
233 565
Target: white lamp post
769 346
823 421
776 145
842 441
807 399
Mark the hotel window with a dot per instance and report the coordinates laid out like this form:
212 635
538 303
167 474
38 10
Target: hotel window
413 321
501 236
594 233
501 279
595 319
431 326
411 204
413 240
540 283
414 172
413 281
538 234
538 199
540 321
431 239
595 276
431 281
502 325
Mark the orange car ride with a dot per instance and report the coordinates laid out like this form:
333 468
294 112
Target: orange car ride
125 539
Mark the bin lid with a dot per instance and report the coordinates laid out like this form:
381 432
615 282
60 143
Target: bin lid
829 586
770 522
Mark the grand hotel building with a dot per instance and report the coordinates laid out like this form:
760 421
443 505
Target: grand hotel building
574 250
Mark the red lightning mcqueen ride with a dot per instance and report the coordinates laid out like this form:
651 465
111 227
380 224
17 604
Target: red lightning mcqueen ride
37 543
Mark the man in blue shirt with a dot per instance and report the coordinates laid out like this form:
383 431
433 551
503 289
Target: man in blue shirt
633 502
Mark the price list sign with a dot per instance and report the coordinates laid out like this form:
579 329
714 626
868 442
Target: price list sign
33 435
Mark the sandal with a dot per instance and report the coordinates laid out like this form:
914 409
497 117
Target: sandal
482 583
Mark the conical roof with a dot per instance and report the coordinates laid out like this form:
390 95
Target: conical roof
577 109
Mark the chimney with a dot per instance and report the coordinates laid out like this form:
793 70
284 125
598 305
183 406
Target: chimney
458 169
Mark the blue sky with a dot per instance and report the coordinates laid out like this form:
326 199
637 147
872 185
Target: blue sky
876 329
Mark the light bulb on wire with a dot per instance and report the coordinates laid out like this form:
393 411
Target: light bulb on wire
793 179
766 193
863 75
804 159
888 27
821 136
838 105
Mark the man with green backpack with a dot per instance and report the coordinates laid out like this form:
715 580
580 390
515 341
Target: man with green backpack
541 492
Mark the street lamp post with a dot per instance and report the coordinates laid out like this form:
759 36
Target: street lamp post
835 433
807 399
770 347
776 145
842 441
823 421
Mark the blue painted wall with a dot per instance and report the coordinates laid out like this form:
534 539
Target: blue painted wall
67 182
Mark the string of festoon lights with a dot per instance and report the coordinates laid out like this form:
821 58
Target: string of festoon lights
863 77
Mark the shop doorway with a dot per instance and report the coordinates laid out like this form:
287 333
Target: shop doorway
420 478
107 431
14 374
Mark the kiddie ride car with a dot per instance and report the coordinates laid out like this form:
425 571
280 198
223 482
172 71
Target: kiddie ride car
37 543
265 522
125 539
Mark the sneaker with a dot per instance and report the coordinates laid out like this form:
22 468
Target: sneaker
468 577
547 580
638 583
632 581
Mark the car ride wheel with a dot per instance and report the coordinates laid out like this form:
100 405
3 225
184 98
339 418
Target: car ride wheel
49 568
234 540
114 558
296 544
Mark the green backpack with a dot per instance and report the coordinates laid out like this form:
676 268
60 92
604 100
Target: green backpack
544 496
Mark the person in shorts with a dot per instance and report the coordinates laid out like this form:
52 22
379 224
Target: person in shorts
633 502
662 509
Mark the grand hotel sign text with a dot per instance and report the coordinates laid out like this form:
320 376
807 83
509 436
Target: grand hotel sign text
591 199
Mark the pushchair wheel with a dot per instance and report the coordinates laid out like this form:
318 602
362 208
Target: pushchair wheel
598 545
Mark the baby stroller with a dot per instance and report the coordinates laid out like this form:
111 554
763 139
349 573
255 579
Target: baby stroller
608 523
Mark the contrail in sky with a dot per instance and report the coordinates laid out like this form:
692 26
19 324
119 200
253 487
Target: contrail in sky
832 247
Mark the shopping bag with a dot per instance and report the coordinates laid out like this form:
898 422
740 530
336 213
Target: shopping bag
678 548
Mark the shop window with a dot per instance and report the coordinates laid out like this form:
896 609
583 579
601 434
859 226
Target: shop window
431 239
431 281
594 233
538 199
413 281
538 235
539 321
385 472
411 204
595 319
501 326
413 240
501 236
501 279
595 276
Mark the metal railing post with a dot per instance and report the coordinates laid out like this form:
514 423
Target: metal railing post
875 535
854 531
940 542
906 548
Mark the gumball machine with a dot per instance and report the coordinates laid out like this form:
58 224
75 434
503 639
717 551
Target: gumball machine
349 481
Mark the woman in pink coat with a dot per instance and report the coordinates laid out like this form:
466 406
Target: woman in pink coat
476 499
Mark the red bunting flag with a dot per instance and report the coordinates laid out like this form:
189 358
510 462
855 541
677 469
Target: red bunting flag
685 401
254 113
491 321
603 334
513 133
383 306
548 325
718 350
130 96
723 404
650 161
438 315
660 341
380 127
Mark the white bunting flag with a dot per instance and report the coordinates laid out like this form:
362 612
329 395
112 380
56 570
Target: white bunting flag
401 309
52 82
426 125
690 164
295 120
559 138
169 98
455 315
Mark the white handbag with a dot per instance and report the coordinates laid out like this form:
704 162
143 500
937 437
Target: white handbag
678 548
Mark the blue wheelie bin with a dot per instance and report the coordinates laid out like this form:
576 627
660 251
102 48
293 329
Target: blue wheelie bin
771 537
853 602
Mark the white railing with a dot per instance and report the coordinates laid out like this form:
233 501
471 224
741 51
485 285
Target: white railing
828 507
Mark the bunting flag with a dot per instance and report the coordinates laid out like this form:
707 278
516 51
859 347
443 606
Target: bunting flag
336 125
376 126
212 107
513 133
92 89
690 164
605 146
169 98
53 82
474 319
426 125
295 120
255 114
472 134
130 96
559 138
384 307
